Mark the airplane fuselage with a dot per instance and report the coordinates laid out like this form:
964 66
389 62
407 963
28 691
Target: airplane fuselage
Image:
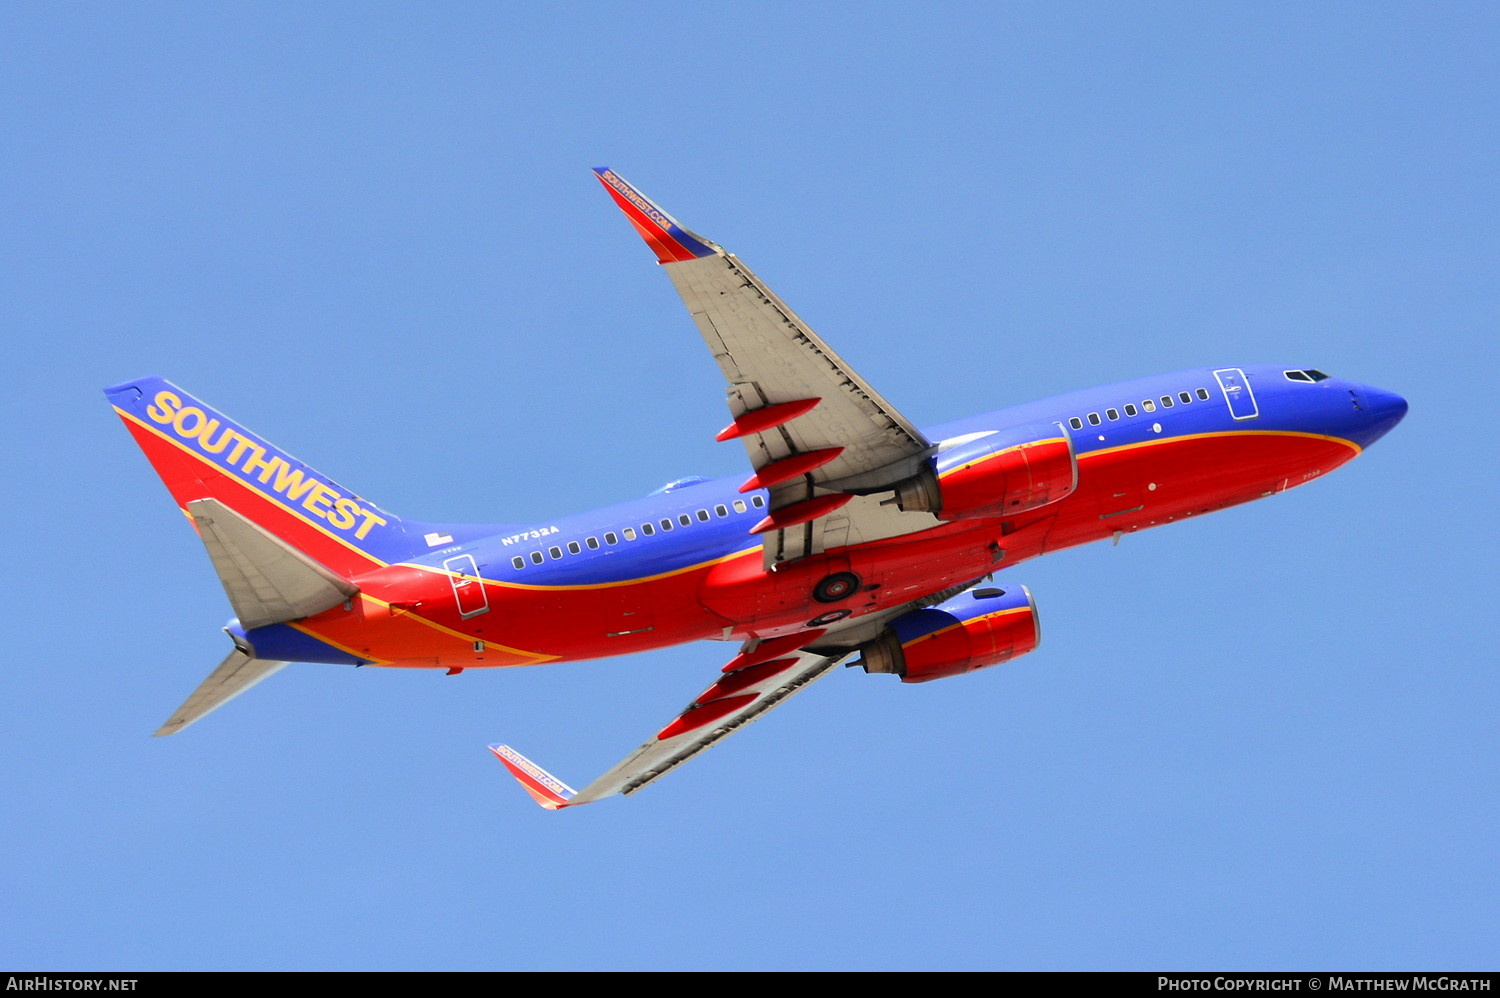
682 565
856 534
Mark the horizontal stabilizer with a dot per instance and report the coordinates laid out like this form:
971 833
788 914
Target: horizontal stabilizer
235 675
268 581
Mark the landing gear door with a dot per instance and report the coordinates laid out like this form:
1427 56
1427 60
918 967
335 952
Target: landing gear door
468 590
1237 393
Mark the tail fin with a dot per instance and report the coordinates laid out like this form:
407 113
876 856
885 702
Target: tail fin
268 582
285 540
201 454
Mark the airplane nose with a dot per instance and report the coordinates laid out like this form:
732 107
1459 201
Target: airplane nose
1380 411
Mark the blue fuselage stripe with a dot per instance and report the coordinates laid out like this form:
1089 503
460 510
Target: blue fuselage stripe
1284 406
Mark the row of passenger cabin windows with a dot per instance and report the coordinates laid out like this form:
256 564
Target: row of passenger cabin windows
1147 405
647 529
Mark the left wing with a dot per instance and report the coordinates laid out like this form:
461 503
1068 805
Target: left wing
820 438
759 678
764 674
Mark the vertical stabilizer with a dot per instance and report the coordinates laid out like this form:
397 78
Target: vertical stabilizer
200 453
284 539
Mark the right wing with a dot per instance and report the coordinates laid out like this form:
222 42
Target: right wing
815 431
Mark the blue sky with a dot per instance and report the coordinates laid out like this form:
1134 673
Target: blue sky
1265 739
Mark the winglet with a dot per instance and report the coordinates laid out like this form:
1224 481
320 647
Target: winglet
548 790
670 241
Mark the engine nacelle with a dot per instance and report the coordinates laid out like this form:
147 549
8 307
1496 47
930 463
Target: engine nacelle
974 630
1007 471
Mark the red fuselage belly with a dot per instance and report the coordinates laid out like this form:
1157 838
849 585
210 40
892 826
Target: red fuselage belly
403 618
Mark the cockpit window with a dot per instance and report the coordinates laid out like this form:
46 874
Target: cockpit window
1316 375
1309 375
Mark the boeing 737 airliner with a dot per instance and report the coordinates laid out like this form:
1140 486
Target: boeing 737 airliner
857 536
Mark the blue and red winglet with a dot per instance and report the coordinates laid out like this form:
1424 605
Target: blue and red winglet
670 241
548 790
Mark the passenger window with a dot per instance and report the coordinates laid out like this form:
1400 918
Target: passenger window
1130 409
667 524
703 515
573 548
629 533
648 529
1094 419
536 557
739 505
685 520
721 510
518 561
1148 405
1166 402
1203 394
757 501
610 538
1186 398
1076 423
555 552
1112 413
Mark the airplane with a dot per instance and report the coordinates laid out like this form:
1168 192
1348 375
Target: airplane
857 537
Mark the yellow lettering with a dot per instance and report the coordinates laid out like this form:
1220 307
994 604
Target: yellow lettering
344 512
272 466
291 483
180 423
191 422
320 496
217 446
239 448
258 460
165 402
364 528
